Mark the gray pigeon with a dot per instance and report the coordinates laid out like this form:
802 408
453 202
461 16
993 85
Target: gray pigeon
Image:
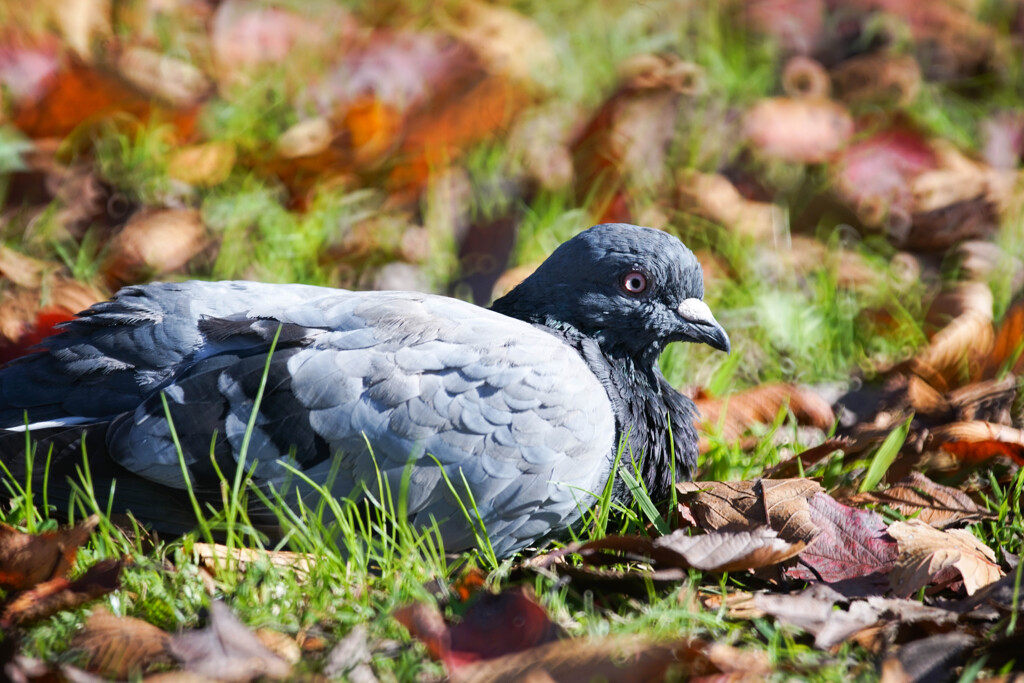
525 404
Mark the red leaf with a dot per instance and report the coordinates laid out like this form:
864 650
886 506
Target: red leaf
853 544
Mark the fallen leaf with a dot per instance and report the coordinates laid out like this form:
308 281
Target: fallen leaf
853 544
807 458
978 441
167 78
616 659
154 242
798 130
1008 346
204 165
217 556
798 25
878 77
226 650
934 658
936 505
955 352
117 647
306 138
805 77
714 197
780 504
924 552
78 94
30 559
724 551
507 42
350 658
817 616
734 414
59 594
494 625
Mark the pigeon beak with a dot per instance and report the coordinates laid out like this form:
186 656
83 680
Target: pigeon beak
699 325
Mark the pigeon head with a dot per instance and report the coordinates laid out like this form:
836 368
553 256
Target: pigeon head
632 289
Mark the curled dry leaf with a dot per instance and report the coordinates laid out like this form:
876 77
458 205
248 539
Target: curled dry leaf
924 552
226 650
507 42
306 138
617 660
59 594
204 165
714 197
154 242
804 77
929 659
780 504
117 647
1008 347
957 351
977 441
217 556
734 414
724 551
79 93
936 505
852 544
172 80
493 626
30 559
818 617
804 130
878 77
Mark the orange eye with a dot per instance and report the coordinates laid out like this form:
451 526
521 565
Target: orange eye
634 282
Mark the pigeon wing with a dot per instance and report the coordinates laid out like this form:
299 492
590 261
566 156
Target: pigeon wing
366 385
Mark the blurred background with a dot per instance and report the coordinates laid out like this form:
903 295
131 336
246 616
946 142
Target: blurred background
848 172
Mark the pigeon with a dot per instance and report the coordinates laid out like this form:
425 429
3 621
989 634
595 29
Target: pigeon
504 423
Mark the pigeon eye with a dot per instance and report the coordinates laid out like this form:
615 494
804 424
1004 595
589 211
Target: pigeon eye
634 282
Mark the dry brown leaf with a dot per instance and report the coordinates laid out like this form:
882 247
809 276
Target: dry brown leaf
78 94
29 559
936 505
956 352
714 197
925 551
203 165
217 556
804 130
805 459
172 80
306 138
878 77
807 255
805 77
818 617
154 242
1008 346
725 551
507 42
117 647
780 504
615 659
977 440
226 650
59 594
734 414
22 270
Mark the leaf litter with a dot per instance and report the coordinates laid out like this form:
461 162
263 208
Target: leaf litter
395 106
